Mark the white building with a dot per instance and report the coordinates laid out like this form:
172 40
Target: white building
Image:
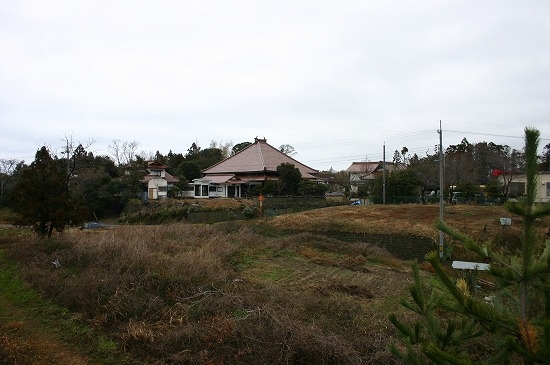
237 174
158 181
517 186
362 172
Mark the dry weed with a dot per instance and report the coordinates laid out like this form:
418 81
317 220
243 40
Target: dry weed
139 331
15 351
407 219
177 250
185 293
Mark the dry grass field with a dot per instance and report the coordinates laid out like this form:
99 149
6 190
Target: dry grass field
275 290
481 222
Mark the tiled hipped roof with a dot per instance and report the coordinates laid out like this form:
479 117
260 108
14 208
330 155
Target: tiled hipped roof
258 157
157 166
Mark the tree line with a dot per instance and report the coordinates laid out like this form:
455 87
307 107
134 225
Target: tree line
84 186
76 186
475 169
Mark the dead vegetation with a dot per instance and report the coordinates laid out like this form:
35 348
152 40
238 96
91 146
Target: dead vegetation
222 294
406 219
242 292
482 223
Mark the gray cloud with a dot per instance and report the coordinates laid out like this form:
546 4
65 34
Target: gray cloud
334 79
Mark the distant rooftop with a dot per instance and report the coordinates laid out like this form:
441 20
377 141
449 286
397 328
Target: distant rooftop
258 157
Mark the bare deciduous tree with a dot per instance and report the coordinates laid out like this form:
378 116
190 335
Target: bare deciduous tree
287 150
224 147
7 167
123 152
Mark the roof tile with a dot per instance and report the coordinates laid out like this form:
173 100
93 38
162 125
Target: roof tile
259 156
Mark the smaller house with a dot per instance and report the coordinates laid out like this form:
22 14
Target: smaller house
157 182
362 172
518 182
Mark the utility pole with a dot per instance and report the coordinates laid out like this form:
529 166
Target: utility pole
441 168
384 174
68 161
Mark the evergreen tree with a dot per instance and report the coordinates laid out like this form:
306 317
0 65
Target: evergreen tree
401 186
91 182
131 178
468 188
545 158
310 188
514 325
239 147
42 197
289 178
188 170
494 189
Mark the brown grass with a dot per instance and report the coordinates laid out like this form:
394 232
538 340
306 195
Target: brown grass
243 292
407 219
27 342
15 351
216 294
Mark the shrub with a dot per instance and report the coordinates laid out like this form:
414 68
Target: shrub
251 212
133 206
8 216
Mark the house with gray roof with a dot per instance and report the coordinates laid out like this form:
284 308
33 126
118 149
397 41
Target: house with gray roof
238 174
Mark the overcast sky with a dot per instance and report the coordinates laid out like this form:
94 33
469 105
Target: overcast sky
334 79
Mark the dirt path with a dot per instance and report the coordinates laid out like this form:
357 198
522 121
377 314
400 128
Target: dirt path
31 333
25 340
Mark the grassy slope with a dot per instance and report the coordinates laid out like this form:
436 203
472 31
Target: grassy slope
281 277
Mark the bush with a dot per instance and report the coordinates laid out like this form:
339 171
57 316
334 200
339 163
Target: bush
133 206
251 212
8 216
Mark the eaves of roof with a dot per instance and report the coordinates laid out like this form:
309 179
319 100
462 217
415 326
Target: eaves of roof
169 178
221 179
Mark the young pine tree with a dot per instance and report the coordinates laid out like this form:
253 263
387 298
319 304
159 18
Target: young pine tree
456 327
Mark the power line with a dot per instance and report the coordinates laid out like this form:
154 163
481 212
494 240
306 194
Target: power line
343 142
378 156
491 134
483 134
417 150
